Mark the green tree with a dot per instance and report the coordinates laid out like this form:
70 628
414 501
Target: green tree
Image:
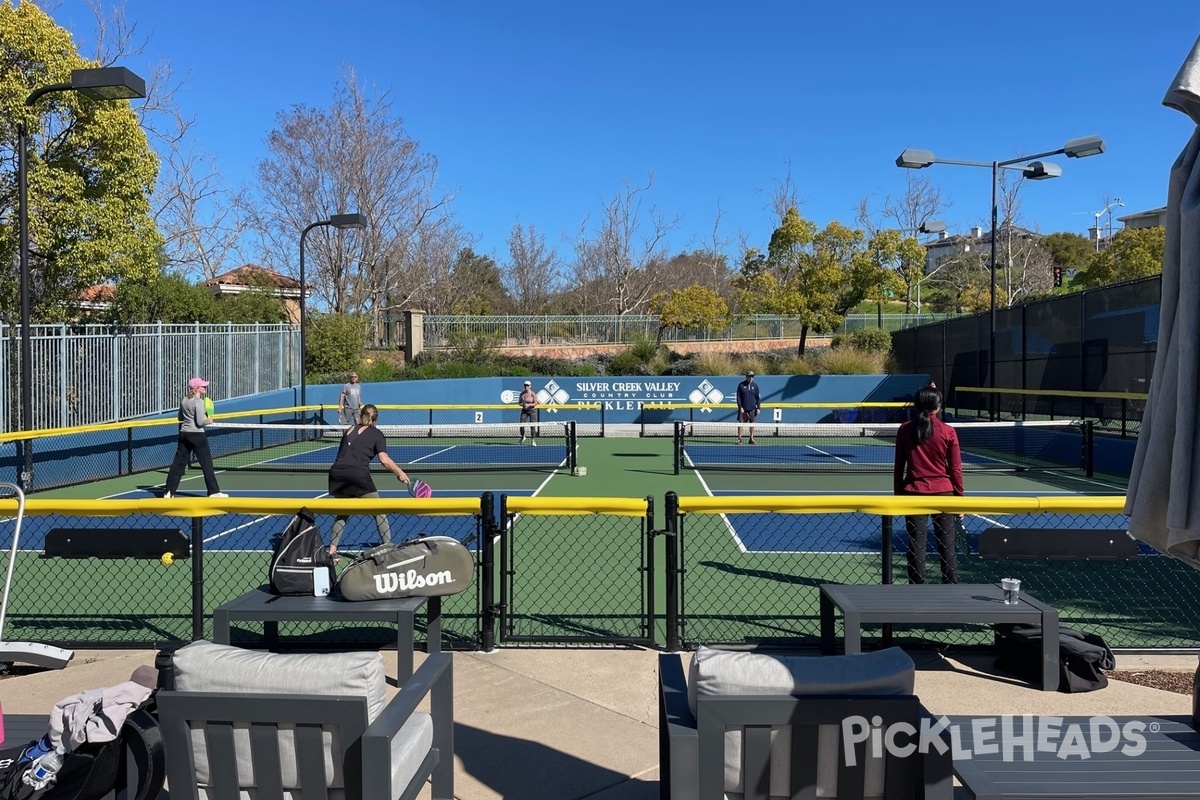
1069 250
479 285
90 173
812 274
889 266
1132 253
694 307
165 298
335 342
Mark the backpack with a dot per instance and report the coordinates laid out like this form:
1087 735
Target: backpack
94 769
429 566
300 556
1082 656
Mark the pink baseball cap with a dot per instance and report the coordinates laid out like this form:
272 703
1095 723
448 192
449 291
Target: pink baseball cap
197 383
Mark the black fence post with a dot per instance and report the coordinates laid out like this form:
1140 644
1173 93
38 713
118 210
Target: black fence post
885 529
487 635
672 569
198 611
648 571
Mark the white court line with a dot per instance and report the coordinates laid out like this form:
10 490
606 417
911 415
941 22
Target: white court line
724 518
252 523
819 451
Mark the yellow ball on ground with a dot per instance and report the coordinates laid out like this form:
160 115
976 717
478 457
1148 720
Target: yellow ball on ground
167 559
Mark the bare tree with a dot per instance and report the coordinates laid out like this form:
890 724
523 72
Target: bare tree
533 271
355 155
1024 268
612 261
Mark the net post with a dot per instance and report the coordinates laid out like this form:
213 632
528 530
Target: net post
672 569
487 633
677 447
1089 448
572 444
198 614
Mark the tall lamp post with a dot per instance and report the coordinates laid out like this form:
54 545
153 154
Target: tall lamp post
105 83
1031 168
341 222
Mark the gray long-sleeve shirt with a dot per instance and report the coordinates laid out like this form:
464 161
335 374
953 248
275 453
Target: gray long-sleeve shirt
192 418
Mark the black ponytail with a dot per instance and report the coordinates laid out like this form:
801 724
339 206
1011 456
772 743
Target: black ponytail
926 404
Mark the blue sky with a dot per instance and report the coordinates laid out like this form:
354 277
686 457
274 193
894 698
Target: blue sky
539 111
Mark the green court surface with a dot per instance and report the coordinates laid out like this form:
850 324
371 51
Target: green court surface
747 577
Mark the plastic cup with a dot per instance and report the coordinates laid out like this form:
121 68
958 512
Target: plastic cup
1012 590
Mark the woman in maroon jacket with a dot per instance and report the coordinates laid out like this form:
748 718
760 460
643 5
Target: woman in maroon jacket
928 461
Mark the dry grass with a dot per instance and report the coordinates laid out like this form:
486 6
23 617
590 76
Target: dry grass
845 361
712 363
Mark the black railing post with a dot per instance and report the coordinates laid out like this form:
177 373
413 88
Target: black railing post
487 582
885 529
650 622
672 570
198 611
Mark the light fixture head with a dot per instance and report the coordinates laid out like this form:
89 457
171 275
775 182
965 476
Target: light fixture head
346 221
915 159
1084 146
1042 170
932 226
108 83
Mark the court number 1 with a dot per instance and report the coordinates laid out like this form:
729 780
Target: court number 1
778 414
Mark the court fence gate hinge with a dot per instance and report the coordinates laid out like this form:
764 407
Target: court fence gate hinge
663 532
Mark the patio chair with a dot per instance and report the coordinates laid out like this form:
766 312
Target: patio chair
751 726
313 725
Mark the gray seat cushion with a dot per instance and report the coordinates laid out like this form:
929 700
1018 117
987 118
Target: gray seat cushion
207 667
725 672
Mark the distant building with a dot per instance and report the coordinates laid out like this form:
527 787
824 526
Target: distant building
97 298
947 245
1145 219
251 278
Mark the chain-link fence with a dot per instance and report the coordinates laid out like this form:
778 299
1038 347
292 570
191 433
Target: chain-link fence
586 570
1096 340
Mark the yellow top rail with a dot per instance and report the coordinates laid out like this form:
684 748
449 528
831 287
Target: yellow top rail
898 505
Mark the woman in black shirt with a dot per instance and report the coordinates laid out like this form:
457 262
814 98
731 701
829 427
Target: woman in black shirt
350 475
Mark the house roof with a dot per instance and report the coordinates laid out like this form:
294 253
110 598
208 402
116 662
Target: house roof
99 293
254 275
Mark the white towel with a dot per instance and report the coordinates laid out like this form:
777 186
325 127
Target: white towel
95 715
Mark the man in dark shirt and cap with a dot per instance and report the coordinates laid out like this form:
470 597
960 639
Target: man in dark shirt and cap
748 403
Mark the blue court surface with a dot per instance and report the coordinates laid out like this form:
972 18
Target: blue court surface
857 533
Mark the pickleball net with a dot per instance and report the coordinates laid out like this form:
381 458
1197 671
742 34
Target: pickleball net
445 447
870 447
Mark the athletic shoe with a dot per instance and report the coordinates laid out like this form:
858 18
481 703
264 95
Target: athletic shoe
168 495
739 441
522 438
753 442
534 443
218 494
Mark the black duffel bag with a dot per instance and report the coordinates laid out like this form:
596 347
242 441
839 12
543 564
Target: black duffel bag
1082 656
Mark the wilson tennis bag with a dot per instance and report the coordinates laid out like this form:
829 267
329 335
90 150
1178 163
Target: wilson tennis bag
430 566
301 563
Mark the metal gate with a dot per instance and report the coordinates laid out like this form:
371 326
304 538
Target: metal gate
576 570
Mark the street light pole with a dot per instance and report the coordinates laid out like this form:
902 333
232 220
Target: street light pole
1031 168
105 83
341 222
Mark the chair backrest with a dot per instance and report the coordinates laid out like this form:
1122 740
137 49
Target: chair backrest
1057 544
246 730
759 726
286 720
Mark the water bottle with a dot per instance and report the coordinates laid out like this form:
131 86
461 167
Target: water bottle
45 768
36 750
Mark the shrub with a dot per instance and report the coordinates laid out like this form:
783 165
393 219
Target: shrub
845 361
643 347
626 362
711 362
334 343
871 340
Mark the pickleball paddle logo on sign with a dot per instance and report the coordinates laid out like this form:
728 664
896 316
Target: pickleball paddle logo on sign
706 393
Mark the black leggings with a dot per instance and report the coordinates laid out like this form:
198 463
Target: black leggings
192 443
917 526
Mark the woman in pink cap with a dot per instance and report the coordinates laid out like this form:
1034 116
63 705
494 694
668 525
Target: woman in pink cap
192 420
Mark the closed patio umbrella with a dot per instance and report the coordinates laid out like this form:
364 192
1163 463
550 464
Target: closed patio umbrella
1163 502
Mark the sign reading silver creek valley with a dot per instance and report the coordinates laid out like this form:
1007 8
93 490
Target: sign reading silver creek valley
622 394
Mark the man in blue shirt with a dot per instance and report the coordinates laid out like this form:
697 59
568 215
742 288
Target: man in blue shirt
748 403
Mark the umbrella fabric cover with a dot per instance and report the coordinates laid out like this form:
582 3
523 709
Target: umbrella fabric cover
1163 502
